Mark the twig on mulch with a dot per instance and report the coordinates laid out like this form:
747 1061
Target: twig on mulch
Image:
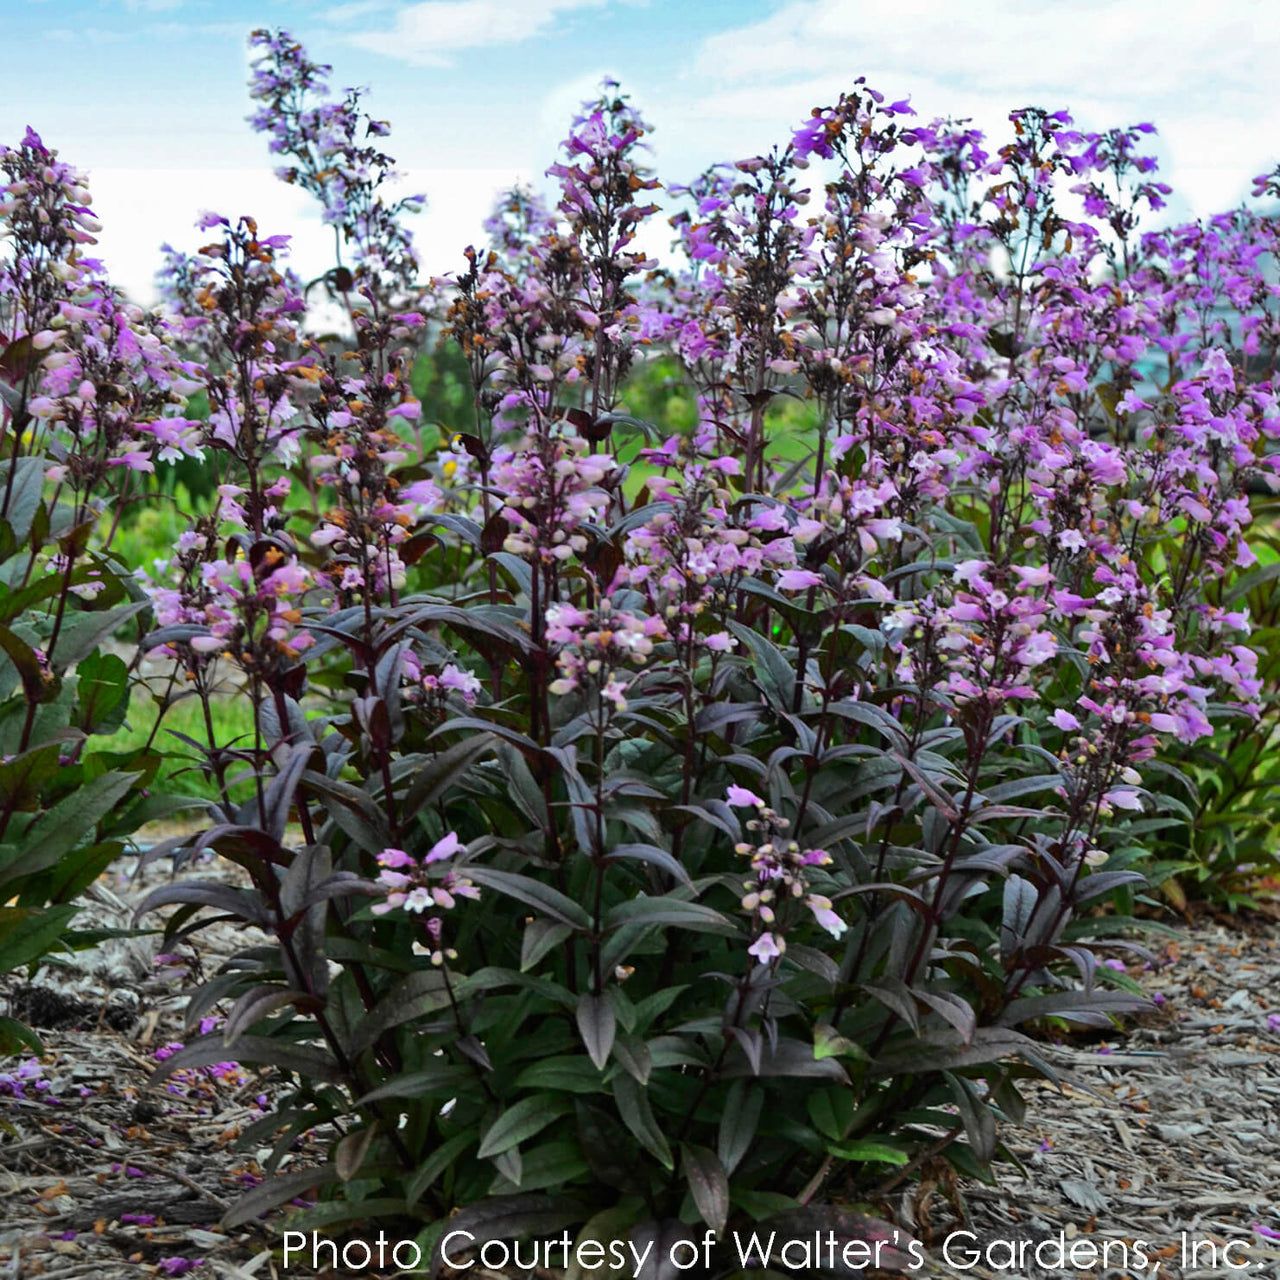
149 1166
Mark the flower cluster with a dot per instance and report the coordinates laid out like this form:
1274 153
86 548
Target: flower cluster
328 143
247 607
593 646
28 1075
779 879
97 383
422 889
552 484
356 415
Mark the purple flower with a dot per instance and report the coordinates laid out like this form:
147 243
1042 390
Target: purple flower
179 1266
766 947
798 579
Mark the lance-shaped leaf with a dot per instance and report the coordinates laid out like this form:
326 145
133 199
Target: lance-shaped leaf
302 1060
667 910
738 1123
787 1058
519 1122
532 893
415 995
276 1191
632 1100
597 1024
242 904
979 1123
708 1185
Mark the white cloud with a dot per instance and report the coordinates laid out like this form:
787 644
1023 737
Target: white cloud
1205 77
1138 49
427 34
152 6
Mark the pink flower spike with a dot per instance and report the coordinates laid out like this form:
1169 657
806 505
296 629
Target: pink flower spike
741 798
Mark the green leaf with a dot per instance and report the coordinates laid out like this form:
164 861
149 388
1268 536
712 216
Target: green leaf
607 1226
597 1024
27 933
831 1111
505 1217
570 1073
738 1122
634 1056
667 910
443 1078
532 893
517 1123
80 868
23 777
85 631
828 1043
540 937
445 770
866 1151
102 693
418 993
24 498
442 1158
759 1205
60 829
633 1106
550 1164
708 1185
24 661
16 1036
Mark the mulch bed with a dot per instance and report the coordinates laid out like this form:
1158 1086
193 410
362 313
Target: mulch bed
1172 1128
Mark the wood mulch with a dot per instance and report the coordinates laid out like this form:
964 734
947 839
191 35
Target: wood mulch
1172 1128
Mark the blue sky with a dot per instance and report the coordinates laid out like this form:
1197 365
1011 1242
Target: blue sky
148 95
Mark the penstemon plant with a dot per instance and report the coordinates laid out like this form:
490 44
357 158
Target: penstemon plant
653 827
92 396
